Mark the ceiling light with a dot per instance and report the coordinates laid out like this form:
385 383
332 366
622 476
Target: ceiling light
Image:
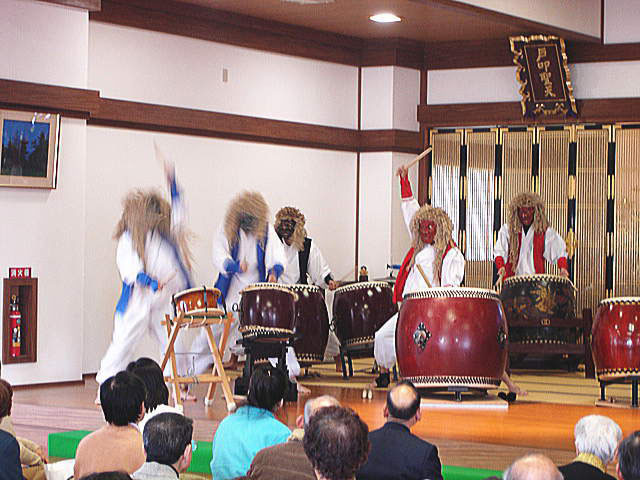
384 18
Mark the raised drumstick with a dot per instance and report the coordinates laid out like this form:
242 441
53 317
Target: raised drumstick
418 158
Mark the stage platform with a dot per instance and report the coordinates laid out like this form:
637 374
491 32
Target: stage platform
488 438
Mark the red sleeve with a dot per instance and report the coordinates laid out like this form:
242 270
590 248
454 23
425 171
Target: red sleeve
405 187
499 262
562 263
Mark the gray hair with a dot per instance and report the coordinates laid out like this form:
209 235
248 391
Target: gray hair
314 403
532 467
599 436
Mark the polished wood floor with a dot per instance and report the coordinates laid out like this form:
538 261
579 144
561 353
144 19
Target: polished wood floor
472 438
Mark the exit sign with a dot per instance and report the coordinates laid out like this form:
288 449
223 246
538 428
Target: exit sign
20 272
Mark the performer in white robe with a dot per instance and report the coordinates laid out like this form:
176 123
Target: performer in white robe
434 252
527 240
154 263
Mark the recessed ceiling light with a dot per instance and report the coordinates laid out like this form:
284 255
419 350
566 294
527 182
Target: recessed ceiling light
384 18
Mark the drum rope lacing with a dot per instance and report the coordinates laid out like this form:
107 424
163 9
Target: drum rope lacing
445 292
451 380
361 286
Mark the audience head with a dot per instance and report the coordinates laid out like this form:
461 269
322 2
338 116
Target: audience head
629 457
599 436
167 440
267 387
6 398
107 476
533 467
151 375
336 442
312 405
122 398
403 403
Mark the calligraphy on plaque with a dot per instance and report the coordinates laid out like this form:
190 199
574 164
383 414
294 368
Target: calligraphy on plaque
543 75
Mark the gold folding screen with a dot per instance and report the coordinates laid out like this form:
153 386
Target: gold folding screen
626 247
587 176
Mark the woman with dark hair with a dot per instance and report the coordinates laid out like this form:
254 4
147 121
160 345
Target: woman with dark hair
157 398
252 427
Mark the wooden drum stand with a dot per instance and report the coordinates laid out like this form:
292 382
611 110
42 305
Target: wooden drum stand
217 375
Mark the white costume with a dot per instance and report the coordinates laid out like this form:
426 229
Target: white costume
554 248
317 267
384 347
142 305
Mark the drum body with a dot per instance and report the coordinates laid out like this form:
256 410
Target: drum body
615 340
197 301
359 310
267 311
311 324
536 306
452 337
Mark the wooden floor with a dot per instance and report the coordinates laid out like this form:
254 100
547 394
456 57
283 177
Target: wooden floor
471 438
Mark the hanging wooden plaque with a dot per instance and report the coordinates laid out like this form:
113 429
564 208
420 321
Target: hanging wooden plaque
543 75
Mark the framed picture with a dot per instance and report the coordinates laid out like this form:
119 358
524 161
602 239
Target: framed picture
29 149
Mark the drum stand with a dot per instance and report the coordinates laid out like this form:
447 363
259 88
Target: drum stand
634 390
265 348
217 375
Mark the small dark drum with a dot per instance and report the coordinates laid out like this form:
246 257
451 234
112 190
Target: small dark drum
615 340
452 337
267 311
200 301
312 323
536 307
359 310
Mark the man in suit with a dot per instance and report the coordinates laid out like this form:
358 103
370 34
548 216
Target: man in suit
395 451
596 439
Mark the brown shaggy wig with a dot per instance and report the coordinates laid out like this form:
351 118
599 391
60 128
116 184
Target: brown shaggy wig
252 203
147 211
299 234
540 222
442 238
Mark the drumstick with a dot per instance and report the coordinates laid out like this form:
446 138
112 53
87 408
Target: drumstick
424 276
418 158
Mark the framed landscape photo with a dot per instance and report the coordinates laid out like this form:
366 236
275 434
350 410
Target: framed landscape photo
29 149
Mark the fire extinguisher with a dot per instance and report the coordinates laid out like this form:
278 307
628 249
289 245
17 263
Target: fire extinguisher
15 319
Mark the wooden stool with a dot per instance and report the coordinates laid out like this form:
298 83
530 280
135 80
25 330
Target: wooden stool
217 375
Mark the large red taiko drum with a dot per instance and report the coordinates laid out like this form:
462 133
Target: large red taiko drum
267 312
452 337
615 340
359 309
312 323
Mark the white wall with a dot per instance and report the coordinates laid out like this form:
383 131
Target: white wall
577 15
320 183
151 67
44 229
621 20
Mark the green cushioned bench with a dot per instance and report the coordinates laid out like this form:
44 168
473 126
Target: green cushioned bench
64 445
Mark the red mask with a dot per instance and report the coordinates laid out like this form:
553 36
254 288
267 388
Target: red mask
525 214
428 230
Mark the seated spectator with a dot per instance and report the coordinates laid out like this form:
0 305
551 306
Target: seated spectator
32 455
167 441
252 427
107 476
629 457
533 467
10 468
122 400
596 440
157 399
287 461
395 451
336 443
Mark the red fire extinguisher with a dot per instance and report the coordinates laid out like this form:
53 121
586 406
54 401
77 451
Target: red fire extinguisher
15 319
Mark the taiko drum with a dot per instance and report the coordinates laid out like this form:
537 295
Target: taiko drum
267 311
448 337
615 339
311 323
197 301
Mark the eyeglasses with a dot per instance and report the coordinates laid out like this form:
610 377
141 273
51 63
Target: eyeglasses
194 445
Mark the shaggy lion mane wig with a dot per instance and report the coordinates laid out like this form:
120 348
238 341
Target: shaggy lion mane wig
442 238
540 222
252 203
299 234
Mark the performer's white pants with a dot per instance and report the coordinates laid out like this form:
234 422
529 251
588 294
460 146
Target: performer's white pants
144 313
384 345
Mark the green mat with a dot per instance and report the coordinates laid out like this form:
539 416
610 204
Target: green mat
64 445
